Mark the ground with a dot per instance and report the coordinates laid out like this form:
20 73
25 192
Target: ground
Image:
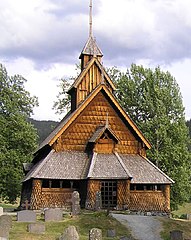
142 227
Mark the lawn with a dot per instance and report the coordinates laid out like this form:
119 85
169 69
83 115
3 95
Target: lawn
84 222
184 209
87 220
175 224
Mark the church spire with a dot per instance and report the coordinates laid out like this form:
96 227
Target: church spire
90 20
91 48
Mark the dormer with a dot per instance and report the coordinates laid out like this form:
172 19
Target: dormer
103 140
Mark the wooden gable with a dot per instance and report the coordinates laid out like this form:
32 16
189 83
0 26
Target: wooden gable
92 75
78 133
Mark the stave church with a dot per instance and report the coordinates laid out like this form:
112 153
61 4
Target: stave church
96 148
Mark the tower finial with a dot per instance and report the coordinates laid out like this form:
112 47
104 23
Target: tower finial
90 30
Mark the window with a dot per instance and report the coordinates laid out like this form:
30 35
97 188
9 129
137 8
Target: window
145 187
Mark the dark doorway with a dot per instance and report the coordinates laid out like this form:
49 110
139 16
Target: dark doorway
109 194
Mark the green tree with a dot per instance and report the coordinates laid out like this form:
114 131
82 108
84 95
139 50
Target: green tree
63 99
153 100
17 136
188 124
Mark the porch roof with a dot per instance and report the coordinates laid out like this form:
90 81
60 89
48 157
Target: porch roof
143 170
78 165
60 165
107 166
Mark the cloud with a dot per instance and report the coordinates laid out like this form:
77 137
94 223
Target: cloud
34 31
42 39
155 30
54 31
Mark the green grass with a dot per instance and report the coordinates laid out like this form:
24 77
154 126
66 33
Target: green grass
184 209
175 224
87 220
84 222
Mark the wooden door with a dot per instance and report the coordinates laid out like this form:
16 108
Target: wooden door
109 194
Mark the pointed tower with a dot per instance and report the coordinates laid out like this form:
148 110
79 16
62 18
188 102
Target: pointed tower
92 72
91 48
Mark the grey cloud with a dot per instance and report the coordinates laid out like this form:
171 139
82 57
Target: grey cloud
65 38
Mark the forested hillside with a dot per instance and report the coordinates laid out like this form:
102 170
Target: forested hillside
44 128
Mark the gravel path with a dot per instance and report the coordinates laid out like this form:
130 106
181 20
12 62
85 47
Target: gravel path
142 227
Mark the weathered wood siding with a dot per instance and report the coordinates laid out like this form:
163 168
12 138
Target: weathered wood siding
90 81
49 197
123 193
147 201
77 135
93 187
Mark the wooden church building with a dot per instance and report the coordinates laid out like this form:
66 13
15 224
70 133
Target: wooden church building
95 148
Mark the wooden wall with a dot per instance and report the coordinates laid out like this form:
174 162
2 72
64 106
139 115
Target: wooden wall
150 200
133 200
90 81
49 197
77 135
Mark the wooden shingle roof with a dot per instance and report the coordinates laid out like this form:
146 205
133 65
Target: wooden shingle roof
107 166
91 48
60 165
97 134
77 165
143 170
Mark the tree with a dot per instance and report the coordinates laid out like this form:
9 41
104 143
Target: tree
63 102
153 100
63 99
188 124
18 137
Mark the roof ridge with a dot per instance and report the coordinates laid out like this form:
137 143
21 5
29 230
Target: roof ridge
123 165
93 160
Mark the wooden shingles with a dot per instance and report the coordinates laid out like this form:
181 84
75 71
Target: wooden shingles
86 124
84 120
60 165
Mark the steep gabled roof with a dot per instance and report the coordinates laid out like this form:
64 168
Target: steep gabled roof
69 119
94 60
91 48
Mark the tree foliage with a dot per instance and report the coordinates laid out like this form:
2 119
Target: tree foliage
188 124
62 104
18 137
153 100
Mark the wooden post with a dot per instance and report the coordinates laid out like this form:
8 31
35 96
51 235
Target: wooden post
36 194
167 197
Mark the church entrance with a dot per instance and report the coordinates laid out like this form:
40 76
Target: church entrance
109 194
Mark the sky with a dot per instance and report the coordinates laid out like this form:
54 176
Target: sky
42 41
